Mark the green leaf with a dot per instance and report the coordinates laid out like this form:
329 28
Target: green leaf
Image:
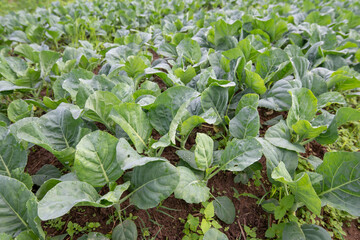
99 105
280 136
190 50
239 154
125 231
215 97
58 131
304 106
214 234
312 231
341 179
12 155
45 173
328 98
152 183
134 121
13 216
166 105
255 82
28 52
224 209
305 130
275 155
185 76
248 100
65 195
95 159
292 229
301 187
343 115
203 151
277 97
320 19
134 66
190 187
181 114
128 158
245 124
47 61
269 62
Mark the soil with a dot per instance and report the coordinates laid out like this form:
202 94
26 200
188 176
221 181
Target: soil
266 115
353 232
39 157
314 148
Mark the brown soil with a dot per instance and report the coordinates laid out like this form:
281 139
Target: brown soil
97 69
159 82
314 148
265 115
39 157
353 232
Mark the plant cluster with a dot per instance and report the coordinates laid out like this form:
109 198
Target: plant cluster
139 69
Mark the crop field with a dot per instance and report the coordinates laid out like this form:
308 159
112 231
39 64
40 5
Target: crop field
189 120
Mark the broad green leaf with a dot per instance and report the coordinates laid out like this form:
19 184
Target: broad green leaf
125 231
248 100
13 198
134 66
203 151
64 196
214 234
215 97
187 75
301 66
275 155
28 52
255 82
47 61
239 154
277 97
152 183
224 209
19 109
301 187
8 87
312 231
190 50
328 98
293 229
58 131
339 188
190 187
181 114
128 158
99 105
245 124
189 124
33 218
269 62
45 173
95 159
12 155
166 105
304 106
318 18
134 121
305 130
342 116
280 136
